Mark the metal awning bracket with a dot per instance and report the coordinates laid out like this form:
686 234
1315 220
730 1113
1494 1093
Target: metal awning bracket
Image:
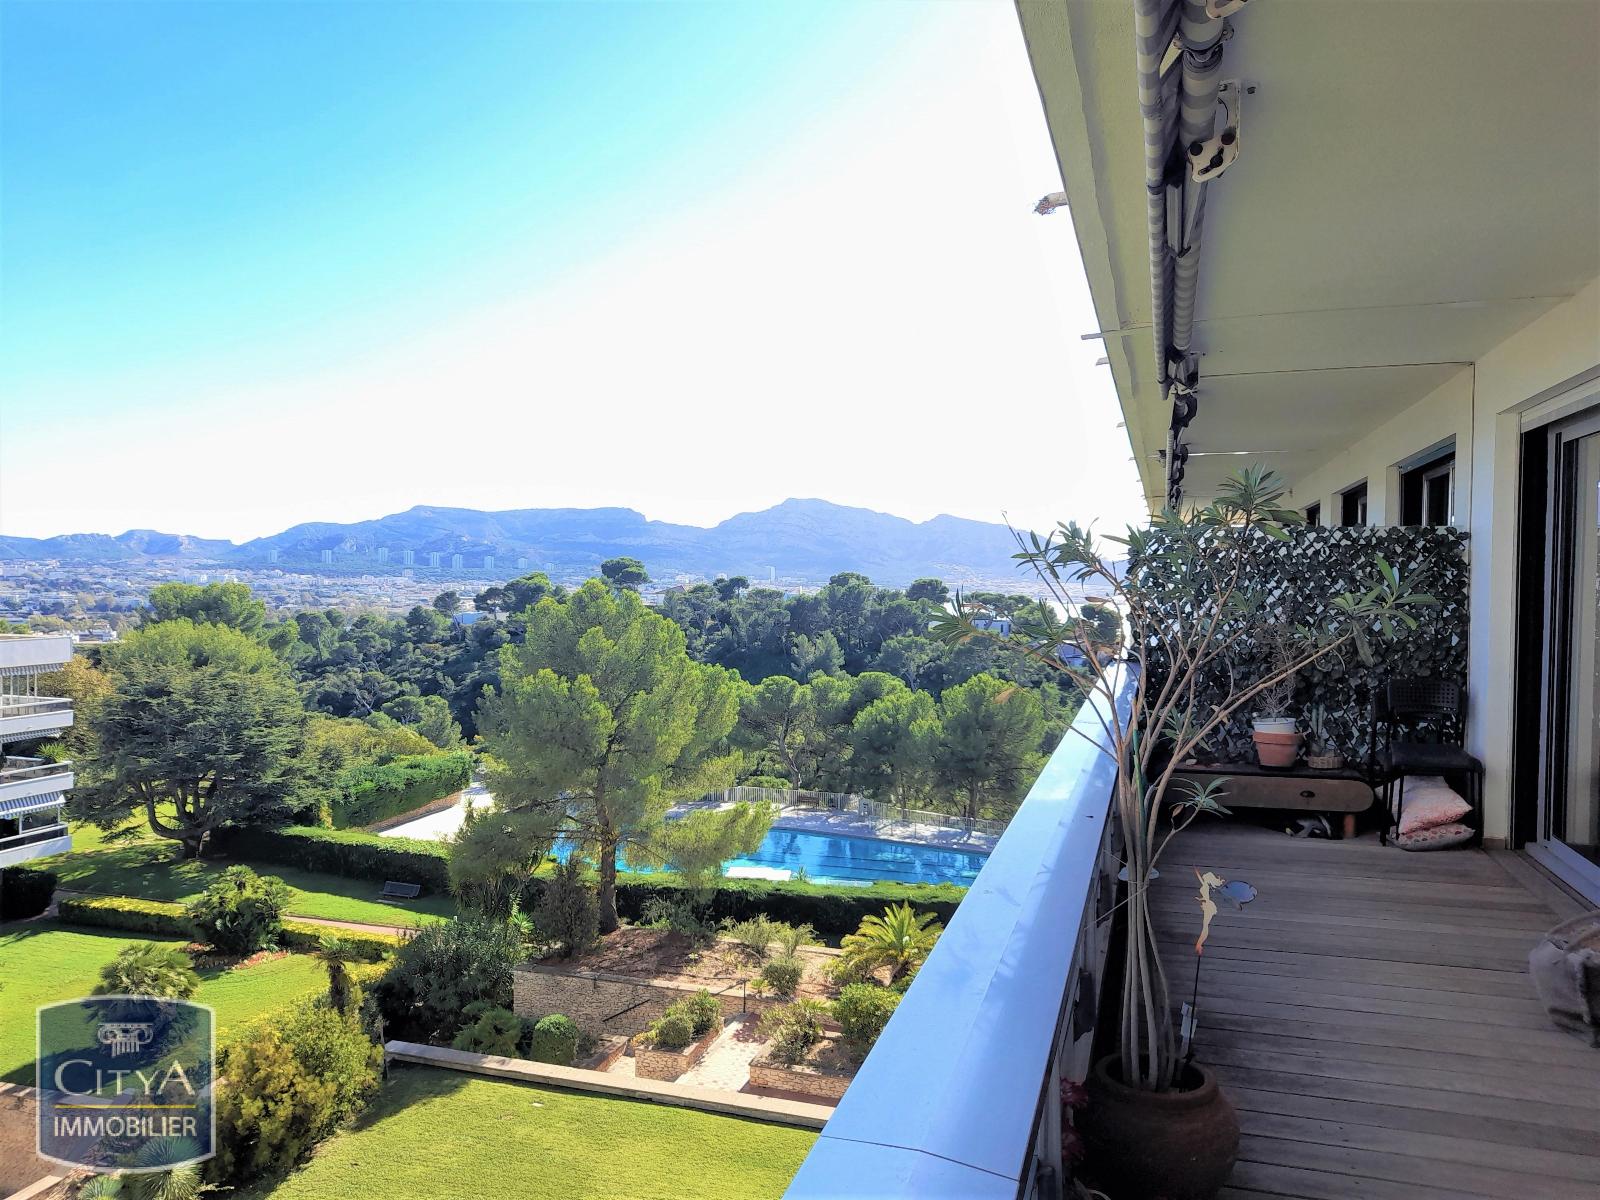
1210 158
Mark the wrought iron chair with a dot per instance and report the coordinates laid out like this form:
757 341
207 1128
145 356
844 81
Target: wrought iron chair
1407 711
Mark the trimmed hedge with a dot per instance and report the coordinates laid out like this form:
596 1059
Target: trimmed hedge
833 910
370 792
25 892
554 1040
347 852
166 919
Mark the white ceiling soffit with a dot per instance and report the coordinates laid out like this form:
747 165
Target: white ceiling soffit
1416 181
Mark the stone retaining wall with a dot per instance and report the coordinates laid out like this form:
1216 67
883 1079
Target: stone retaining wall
602 1003
825 1085
655 1062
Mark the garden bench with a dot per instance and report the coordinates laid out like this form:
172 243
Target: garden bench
401 891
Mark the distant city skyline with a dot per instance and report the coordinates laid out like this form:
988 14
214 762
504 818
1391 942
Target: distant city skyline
266 263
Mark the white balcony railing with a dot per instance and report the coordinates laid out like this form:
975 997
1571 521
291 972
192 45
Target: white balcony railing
30 653
21 770
961 1094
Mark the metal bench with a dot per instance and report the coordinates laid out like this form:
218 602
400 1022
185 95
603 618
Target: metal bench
401 891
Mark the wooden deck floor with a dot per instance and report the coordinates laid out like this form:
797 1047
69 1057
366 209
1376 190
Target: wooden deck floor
1372 1019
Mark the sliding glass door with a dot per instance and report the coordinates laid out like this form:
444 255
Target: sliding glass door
1569 819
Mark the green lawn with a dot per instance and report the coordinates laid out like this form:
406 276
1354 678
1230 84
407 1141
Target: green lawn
45 961
147 866
494 1138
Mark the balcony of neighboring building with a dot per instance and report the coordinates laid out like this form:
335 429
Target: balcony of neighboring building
23 717
32 792
34 653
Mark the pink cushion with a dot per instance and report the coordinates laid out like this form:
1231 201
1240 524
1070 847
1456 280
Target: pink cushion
1428 802
1436 838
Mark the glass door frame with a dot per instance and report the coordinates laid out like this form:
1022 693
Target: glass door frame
1555 685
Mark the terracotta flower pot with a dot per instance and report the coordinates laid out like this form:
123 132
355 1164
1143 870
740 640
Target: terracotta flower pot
1276 749
1138 1145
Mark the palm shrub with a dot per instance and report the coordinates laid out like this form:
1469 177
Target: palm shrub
491 1031
789 938
862 1011
241 912
555 1040
337 954
900 939
149 969
792 1029
1196 593
755 935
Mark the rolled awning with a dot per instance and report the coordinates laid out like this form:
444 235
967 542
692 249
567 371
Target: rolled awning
22 805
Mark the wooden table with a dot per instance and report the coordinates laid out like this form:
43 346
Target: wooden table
1298 789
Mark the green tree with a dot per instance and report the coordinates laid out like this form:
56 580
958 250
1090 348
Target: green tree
447 603
820 655
87 687
203 728
933 590
231 604
625 573
696 844
906 657
429 716
989 735
602 722
893 744
774 717
728 587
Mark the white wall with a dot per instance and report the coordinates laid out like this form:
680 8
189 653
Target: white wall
1443 413
1480 407
1556 348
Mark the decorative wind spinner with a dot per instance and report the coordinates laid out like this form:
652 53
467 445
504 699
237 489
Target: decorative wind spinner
1235 893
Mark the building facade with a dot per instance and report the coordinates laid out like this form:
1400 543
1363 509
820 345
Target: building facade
32 789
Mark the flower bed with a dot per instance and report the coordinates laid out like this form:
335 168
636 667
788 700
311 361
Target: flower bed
655 1062
825 1073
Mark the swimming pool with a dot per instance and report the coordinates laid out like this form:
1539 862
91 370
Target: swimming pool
841 858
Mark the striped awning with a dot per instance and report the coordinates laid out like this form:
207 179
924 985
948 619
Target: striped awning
11 809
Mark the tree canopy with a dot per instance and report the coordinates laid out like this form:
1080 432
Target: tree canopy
602 721
202 727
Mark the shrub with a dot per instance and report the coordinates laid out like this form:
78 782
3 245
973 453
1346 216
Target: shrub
705 1012
789 938
495 1031
444 968
792 1029
172 920
783 974
754 935
25 892
555 1040
149 969
862 1011
679 914
369 792
127 913
831 909
347 852
567 915
673 1029
843 971
290 1085
241 912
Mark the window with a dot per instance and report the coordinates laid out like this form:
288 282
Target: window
1353 505
1314 515
1428 491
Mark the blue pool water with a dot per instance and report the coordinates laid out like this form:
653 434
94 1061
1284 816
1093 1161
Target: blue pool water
836 858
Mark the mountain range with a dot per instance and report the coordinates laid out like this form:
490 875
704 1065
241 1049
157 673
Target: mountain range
797 539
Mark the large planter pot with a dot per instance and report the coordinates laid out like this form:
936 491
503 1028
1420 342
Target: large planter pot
1273 724
1177 1145
1276 749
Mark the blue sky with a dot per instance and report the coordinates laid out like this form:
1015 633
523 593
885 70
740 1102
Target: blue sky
267 262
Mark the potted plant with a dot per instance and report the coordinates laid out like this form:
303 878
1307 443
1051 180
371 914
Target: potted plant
1321 753
1273 729
1191 600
